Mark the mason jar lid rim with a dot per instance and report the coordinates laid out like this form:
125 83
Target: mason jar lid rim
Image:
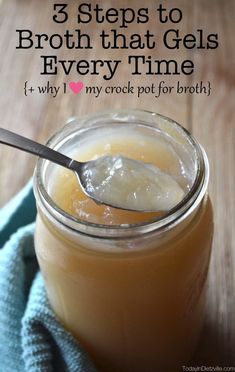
173 217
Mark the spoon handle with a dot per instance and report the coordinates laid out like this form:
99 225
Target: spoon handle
22 143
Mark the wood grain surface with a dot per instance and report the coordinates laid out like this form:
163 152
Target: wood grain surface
210 118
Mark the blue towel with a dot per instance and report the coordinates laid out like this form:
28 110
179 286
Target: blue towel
31 338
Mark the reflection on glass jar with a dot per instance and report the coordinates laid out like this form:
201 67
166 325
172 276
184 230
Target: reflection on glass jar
129 286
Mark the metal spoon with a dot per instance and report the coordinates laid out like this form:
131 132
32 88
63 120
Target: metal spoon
22 143
115 181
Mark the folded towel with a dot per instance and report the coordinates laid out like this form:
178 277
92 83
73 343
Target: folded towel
31 337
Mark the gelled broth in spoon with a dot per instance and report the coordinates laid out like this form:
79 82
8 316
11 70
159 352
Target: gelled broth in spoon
155 157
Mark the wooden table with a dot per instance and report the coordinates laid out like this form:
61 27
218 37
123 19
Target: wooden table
210 118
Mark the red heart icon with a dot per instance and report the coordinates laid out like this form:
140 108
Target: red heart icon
76 87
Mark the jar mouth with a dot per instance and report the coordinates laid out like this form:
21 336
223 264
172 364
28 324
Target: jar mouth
171 218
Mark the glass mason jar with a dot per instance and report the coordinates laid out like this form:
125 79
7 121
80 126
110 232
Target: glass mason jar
133 294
